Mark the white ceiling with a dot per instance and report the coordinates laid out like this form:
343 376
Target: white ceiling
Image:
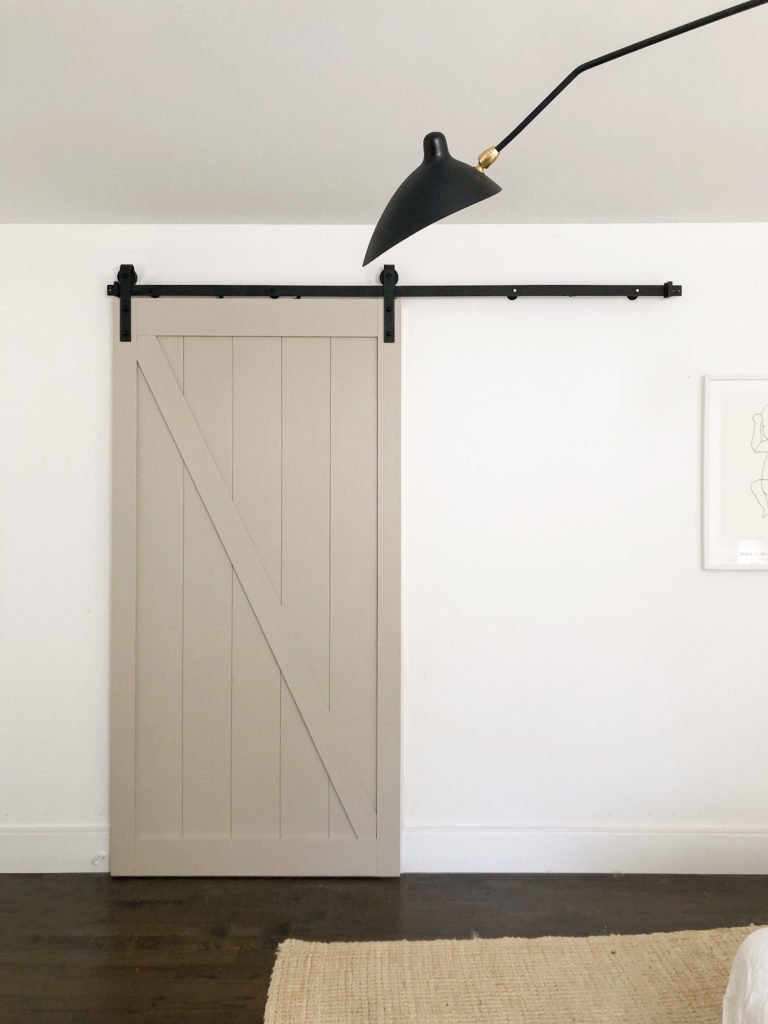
312 111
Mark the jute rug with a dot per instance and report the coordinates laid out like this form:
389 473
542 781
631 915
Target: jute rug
664 978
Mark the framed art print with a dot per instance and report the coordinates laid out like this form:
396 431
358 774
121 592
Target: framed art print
735 473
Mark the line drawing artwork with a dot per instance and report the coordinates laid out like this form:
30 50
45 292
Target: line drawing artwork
759 487
735 473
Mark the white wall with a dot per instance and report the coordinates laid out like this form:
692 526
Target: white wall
578 694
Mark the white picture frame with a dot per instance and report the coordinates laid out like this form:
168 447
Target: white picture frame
735 473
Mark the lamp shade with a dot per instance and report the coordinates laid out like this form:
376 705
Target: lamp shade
440 186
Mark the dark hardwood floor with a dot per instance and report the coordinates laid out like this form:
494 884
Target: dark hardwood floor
89 949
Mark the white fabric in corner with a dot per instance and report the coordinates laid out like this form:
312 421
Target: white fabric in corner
746 998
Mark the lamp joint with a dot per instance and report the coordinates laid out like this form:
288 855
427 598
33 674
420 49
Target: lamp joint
486 158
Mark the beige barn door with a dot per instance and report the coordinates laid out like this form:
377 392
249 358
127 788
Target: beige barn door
256 590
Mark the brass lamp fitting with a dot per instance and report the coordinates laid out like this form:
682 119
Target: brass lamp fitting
486 158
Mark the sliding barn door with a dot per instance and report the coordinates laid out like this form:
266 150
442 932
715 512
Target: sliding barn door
256 590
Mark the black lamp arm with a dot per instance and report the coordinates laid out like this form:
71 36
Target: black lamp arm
651 41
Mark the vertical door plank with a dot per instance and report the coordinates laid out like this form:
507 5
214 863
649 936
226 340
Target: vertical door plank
123 624
353 558
306 498
173 349
389 607
159 604
257 481
208 583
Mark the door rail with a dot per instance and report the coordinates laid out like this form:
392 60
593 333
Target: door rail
127 287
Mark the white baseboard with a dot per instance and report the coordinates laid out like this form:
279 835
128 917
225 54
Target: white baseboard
692 851
54 848
717 850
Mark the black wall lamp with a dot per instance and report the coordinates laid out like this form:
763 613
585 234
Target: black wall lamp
442 185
